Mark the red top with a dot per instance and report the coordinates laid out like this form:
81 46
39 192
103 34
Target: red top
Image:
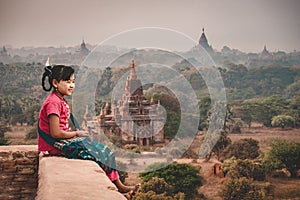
54 104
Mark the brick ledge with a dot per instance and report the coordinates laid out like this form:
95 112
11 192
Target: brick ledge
61 178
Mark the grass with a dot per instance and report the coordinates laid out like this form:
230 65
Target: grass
266 135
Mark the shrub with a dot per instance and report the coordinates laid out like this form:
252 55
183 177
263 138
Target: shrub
283 121
245 189
182 177
243 149
247 169
157 188
283 154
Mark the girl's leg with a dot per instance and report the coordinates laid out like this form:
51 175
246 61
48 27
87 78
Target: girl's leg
128 191
124 188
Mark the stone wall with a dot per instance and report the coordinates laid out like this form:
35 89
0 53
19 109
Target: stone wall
18 172
24 175
61 179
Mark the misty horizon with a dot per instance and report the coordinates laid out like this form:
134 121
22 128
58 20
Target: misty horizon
244 25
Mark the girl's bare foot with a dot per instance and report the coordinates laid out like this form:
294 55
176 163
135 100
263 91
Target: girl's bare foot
129 195
124 188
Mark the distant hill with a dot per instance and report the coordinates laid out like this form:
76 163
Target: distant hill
223 58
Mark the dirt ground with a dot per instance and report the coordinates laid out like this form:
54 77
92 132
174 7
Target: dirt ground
265 135
285 188
17 135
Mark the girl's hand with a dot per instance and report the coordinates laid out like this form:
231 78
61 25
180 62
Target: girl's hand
82 133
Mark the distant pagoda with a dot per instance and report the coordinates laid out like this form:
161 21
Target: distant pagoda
83 49
265 54
203 42
4 52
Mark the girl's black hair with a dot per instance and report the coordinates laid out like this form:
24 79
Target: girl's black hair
57 72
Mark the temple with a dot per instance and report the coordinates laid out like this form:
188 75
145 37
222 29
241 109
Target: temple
133 118
265 54
203 42
83 49
4 52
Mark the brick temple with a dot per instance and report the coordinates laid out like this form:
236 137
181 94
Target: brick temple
133 118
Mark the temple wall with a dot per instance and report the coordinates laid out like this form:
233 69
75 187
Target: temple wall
18 172
24 175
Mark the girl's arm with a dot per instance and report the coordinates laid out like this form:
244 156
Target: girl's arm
56 132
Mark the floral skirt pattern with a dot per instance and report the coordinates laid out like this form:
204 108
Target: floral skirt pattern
85 149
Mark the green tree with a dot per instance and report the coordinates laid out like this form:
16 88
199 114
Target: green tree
293 89
172 124
223 142
246 148
269 80
245 189
283 121
248 169
182 177
233 77
157 188
9 108
270 107
105 84
215 142
295 109
31 114
169 101
248 109
204 108
283 154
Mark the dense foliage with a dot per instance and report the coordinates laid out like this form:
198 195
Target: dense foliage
182 177
22 95
259 81
242 149
245 189
157 189
283 121
283 154
244 168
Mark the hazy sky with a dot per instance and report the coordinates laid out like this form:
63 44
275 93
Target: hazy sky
247 25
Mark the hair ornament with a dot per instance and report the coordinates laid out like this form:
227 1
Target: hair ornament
49 70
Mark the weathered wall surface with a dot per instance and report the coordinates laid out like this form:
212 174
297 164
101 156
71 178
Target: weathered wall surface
18 172
24 175
61 179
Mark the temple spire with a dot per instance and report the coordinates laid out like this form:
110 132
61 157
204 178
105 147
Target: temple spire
132 74
48 62
203 42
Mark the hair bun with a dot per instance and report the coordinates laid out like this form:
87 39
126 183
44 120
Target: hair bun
48 70
47 73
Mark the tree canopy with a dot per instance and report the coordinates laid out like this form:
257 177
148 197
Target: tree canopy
283 154
182 177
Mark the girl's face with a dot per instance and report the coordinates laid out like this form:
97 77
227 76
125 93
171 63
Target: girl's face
66 87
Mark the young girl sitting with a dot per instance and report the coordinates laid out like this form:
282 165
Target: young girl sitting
57 139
